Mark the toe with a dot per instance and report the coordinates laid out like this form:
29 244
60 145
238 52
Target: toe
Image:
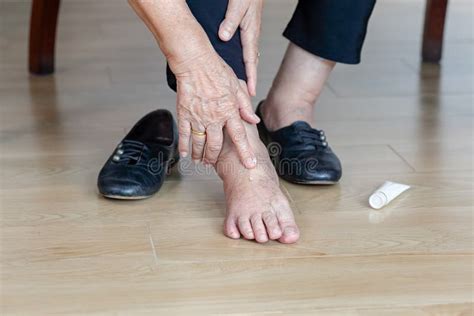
259 230
290 235
245 228
271 222
230 228
290 232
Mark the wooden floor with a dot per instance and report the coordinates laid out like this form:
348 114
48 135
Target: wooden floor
65 250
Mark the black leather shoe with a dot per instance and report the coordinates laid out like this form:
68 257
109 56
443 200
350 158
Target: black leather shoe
300 153
139 164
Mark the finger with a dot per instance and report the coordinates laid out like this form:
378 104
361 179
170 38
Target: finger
250 35
250 51
199 141
235 12
184 131
245 106
214 140
238 135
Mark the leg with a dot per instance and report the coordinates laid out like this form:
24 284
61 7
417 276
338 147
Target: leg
297 86
332 30
210 14
256 207
435 15
44 17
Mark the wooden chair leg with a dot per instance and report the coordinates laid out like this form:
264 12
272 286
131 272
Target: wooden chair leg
435 15
43 23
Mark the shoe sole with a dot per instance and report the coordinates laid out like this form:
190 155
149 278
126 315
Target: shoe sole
143 197
315 182
121 197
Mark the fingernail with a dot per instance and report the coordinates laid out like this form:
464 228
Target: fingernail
183 154
255 116
226 34
252 162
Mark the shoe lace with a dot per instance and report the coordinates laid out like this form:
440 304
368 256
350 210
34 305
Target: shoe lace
128 152
311 139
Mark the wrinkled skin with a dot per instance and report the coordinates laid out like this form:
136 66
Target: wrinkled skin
212 100
210 97
246 15
257 209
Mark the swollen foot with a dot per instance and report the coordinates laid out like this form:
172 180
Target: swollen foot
256 207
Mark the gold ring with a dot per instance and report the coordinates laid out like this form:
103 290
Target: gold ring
198 133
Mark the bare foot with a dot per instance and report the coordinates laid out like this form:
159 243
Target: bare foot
256 207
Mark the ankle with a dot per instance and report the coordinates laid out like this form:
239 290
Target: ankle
277 113
230 157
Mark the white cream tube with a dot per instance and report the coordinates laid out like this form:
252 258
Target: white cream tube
386 193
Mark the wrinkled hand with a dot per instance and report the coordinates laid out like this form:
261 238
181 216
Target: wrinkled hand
247 15
210 98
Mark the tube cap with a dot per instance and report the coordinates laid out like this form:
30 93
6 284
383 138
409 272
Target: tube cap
378 200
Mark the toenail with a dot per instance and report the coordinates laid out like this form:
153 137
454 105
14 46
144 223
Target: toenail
290 231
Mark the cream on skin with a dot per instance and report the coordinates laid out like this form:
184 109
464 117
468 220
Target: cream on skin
386 193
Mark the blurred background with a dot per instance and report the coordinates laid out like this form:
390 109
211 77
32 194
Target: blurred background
66 250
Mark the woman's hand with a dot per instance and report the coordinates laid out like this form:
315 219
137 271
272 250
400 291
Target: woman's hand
246 14
210 98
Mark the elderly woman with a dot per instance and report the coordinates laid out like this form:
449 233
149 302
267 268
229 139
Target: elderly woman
212 51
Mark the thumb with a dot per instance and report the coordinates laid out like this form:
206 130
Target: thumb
235 12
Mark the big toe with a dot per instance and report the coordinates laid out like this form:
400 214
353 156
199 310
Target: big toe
290 232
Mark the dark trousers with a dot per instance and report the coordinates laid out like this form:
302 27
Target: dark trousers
331 29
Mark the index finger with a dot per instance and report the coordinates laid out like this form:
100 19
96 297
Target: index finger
236 130
249 40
